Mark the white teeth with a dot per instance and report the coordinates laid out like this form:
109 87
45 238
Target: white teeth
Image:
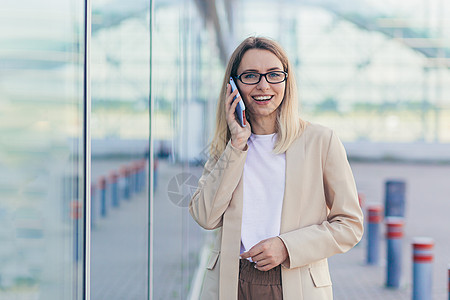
262 98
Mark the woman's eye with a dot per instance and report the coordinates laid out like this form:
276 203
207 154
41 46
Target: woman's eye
249 75
274 75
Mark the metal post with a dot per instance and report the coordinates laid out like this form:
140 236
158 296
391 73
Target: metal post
102 187
141 175
395 198
144 175
394 251
131 173
129 180
75 214
124 172
114 188
422 268
136 168
448 282
93 192
375 213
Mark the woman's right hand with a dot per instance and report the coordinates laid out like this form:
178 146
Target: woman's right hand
239 135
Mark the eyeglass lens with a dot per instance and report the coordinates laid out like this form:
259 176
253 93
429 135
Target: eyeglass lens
271 77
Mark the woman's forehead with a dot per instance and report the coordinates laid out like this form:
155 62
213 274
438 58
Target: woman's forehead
259 60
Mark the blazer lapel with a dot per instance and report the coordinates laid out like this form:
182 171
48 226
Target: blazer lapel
292 205
292 202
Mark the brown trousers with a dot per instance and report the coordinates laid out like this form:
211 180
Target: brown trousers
259 285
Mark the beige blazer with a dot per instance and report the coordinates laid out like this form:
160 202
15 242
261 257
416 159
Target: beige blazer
320 216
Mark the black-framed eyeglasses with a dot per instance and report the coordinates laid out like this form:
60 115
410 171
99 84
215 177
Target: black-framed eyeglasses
255 77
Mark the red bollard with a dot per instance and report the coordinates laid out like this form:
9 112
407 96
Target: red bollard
375 217
75 215
93 193
144 174
448 282
361 199
125 173
422 268
102 188
135 176
394 251
75 210
113 178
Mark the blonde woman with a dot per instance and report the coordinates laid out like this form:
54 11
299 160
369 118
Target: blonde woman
279 191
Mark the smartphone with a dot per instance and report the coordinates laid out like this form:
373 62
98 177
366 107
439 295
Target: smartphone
240 107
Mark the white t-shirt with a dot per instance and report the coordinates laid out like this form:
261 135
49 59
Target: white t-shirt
264 180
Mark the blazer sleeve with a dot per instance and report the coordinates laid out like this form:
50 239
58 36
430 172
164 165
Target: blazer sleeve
216 187
344 225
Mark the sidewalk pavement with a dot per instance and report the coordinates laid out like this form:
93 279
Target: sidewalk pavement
427 208
119 243
119 253
177 239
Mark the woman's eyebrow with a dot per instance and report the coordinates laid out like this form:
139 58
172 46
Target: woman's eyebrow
254 70
274 68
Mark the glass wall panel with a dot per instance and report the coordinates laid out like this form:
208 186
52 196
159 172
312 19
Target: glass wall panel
120 77
375 72
42 149
186 77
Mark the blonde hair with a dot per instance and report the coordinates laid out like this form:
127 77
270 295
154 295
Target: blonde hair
288 124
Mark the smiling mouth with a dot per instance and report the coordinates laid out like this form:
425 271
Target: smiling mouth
262 98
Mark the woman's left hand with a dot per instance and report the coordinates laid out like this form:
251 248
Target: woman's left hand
267 254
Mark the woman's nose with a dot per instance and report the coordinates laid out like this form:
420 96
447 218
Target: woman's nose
263 84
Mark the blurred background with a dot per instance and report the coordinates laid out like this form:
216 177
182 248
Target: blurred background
100 153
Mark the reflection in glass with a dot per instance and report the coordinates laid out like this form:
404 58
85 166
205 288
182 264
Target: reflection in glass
41 152
187 73
120 75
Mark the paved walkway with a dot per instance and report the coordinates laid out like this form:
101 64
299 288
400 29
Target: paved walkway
427 207
119 250
177 239
119 244
119 253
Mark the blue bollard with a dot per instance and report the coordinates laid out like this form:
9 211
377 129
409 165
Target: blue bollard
102 187
144 175
395 199
136 169
132 178
154 175
141 175
125 173
394 237
375 213
114 188
422 268
93 217
75 214
143 170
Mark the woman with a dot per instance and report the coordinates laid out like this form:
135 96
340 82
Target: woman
280 190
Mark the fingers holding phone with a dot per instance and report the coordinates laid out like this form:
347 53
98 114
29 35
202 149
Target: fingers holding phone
240 106
239 133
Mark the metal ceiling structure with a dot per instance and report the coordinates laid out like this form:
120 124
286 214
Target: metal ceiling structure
209 10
